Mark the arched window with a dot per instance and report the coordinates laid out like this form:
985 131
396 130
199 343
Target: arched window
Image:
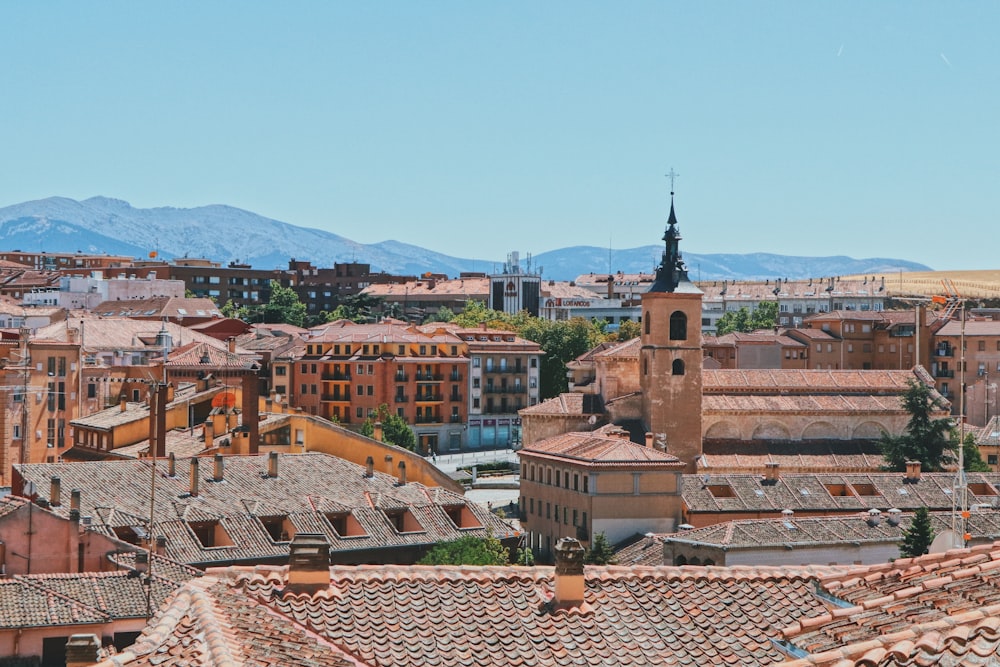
645 319
680 560
678 325
677 368
709 561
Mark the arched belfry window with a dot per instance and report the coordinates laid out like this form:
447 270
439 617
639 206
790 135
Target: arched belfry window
678 325
677 368
645 319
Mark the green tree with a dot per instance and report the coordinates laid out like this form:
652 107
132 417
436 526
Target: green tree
443 314
562 341
395 430
468 550
525 557
628 330
971 458
733 320
918 537
926 439
283 306
764 316
600 552
230 309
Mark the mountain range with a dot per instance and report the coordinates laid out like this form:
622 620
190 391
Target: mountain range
224 234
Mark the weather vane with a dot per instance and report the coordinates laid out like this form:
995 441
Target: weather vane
672 175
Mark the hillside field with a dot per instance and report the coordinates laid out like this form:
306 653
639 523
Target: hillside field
969 284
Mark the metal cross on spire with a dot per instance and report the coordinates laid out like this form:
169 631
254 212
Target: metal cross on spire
672 175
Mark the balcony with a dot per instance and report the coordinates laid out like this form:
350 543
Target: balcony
944 373
429 377
944 352
401 377
401 398
338 376
455 377
428 419
456 419
455 398
336 398
429 398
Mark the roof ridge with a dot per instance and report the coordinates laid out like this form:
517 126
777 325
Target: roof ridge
31 582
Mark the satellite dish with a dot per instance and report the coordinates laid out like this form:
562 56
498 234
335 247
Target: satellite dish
945 541
226 399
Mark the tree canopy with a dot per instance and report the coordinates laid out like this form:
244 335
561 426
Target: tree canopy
764 316
395 430
926 439
283 306
600 552
918 536
468 550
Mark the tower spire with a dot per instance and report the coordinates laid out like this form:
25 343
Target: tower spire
672 270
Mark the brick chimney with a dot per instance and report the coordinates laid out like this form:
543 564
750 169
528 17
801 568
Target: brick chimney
251 410
649 439
402 473
55 491
377 432
74 500
912 472
308 563
232 344
771 473
369 467
82 650
209 430
161 545
272 464
123 403
194 476
171 465
569 582
220 468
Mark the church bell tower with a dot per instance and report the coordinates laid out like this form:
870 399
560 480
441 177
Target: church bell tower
670 359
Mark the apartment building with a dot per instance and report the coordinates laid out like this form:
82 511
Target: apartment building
503 379
982 365
349 370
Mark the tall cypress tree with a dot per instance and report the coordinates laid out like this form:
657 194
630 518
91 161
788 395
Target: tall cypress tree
918 537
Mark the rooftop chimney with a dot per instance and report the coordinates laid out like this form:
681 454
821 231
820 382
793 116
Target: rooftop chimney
369 467
123 403
55 491
402 473
232 344
388 463
209 430
272 464
161 545
377 431
649 439
220 466
74 499
172 465
308 563
912 472
82 650
569 573
894 516
771 474
194 476
874 517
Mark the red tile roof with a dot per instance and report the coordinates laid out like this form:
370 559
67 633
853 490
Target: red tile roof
482 616
596 449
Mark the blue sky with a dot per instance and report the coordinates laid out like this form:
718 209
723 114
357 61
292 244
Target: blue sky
475 128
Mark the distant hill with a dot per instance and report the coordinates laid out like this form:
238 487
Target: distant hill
224 234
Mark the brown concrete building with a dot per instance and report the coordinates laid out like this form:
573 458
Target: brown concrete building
582 484
757 350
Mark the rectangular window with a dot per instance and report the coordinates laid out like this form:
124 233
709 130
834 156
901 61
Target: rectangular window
91 390
312 389
305 368
982 346
61 397
303 390
360 412
52 397
586 489
61 371
280 371
360 391
52 365
361 369
371 390
476 362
